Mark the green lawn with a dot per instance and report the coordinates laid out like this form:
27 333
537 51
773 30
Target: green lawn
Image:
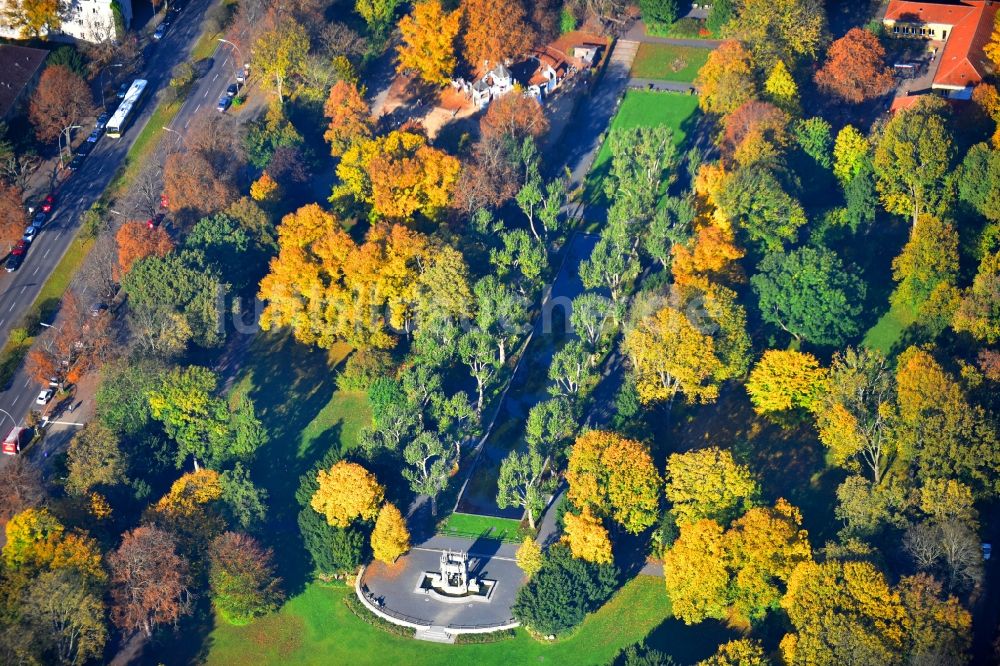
888 330
467 524
317 628
642 108
668 62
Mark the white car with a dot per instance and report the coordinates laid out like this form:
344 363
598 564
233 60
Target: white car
30 233
44 396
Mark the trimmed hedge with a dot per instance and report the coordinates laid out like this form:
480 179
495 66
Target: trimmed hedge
359 609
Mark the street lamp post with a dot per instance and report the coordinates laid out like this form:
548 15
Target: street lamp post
180 137
6 413
103 106
239 54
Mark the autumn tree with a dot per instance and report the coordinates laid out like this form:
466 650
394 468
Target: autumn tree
810 294
785 30
279 53
855 69
929 259
12 213
35 18
66 616
428 46
136 240
586 537
376 13
62 99
708 256
784 380
740 652
390 537
614 477
726 79
149 581
347 491
913 159
978 313
193 185
853 414
781 90
529 557
350 117
21 485
398 175
709 483
689 346
493 34
512 119
241 578
94 459
850 151
695 573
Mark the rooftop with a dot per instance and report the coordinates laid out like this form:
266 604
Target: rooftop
963 62
18 66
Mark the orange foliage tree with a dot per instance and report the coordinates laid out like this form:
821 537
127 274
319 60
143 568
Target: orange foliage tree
137 241
726 80
855 68
12 213
494 32
428 46
350 117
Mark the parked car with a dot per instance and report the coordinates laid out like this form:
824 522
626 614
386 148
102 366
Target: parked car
223 103
30 233
85 148
232 90
44 396
160 31
16 257
102 121
95 136
39 220
123 90
47 203
241 77
76 162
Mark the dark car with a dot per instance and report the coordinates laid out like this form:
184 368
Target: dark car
85 148
16 257
76 162
48 202
232 90
38 220
123 90
102 121
95 136
223 103
161 30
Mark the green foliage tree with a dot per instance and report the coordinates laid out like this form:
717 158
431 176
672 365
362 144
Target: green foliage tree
659 14
564 590
94 459
815 138
754 198
517 484
979 181
810 294
431 464
65 615
241 578
929 259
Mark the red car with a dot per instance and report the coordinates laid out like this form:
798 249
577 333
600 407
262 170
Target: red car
48 202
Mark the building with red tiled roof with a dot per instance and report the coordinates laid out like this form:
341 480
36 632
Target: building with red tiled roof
964 27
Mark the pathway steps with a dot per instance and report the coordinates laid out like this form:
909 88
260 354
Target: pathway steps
434 635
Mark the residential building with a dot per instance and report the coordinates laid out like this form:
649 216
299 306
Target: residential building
82 20
959 29
20 67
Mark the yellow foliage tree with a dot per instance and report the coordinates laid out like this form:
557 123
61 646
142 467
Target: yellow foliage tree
850 149
947 499
978 313
265 189
726 80
191 492
695 572
992 48
529 557
709 256
785 30
398 174
32 536
763 547
781 89
742 652
428 46
98 506
350 117
785 379
708 483
390 537
346 492
587 538
615 477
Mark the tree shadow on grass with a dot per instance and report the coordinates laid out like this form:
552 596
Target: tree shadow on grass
688 644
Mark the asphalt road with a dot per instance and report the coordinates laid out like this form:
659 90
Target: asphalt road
76 195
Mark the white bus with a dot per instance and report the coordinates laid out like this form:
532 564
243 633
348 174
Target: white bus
127 109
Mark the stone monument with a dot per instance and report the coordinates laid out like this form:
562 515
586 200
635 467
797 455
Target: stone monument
453 578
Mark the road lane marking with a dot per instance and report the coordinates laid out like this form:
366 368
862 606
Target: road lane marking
215 77
46 253
23 288
197 107
36 269
206 93
2 321
26 382
12 306
187 123
16 399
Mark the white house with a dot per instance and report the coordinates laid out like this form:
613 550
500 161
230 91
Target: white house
83 20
